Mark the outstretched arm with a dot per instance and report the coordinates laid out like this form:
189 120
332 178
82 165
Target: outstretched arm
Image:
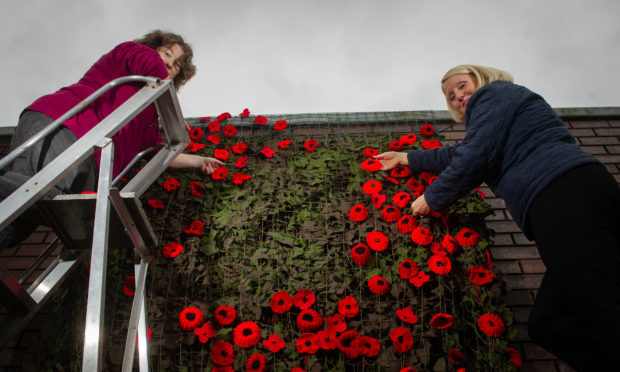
205 164
392 159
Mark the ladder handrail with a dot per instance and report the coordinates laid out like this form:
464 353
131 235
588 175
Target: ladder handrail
73 111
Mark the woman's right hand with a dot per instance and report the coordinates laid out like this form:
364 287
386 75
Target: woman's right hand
392 159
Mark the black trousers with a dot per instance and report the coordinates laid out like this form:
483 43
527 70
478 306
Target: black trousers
575 222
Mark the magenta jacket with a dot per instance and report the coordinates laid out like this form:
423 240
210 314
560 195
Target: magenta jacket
125 59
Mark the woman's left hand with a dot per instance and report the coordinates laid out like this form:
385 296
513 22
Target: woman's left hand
419 207
205 164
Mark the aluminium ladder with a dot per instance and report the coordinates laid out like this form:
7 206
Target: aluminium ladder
84 222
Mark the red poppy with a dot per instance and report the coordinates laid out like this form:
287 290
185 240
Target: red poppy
298 369
372 187
196 133
402 339
440 265
392 180
310 145
370 152
406 224
396 145
407 269
348 344
213 138
482 196
274 343
438 249
195 146
225 315
467 237
442 321
425 176
304 298
217 368
195 227
223 353
281 302
283 144
348 307
390 214
221 154
156 204
421 235
256 363
378 285
358 213
328 339
239 148
260 120
197 188
171 184
307 343
336 322
223 116
205 332
245 113
268 152
491 324
205 118
220 173
455 356
371 165
360 254
172 250
214 126
449 244
408 139
408 369
407 315
229 131
400 171
514 357
377 241
309 320
280 125
241 162
415 185
190 317
369 346
378 200
129 288
419 279
239 178
479 275
431 144
246 334
401 199
427 130
431 180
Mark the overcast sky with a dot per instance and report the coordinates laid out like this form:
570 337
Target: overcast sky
298 56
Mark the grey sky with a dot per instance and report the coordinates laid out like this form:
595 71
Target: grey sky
296 56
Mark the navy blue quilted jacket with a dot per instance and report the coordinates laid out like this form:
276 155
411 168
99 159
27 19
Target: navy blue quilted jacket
514 142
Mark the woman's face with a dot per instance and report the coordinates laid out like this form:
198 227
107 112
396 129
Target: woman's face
458 89
171 55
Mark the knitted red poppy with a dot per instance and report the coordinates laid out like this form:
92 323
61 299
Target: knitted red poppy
336 322
309 320
304 298
196 133
369 346
421 235
415 185
391 179
348 344
245 113
400 171
442 321
449 244
436 248
401 199
225 315
372 187
407 315
431 144
402 339
377 241
371 165
310 145
467 237
195 146
360 254
419 279
197 188
440 265
205 332
280 125
378 200
239 148
171 184
240 178
407 269
256 363
223 353
358 213
348 307
407 369
205 118
190 317
307 343
260 120
378 285
390 214
214 139
491 324
514 357
156 204
274 343
427 130
282 144
195 228
214 126
221 154
267 152
246 334
223 116
406 224
408 139
455 356
327 339
480 275
220 173
281 302
172 250
370 152
129 287
395 145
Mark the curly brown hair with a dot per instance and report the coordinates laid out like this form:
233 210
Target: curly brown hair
159 38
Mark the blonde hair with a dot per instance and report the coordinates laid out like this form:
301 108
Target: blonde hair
481 74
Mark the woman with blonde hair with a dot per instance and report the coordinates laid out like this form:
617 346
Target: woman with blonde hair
560 196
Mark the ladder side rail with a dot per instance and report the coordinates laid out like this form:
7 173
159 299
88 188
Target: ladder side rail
137 312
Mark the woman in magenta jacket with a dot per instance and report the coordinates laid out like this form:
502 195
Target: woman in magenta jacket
158 54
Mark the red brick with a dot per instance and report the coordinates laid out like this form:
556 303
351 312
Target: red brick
30 250
608 158
523 281
522 334
8 252
17 263
508 267
519 297
595 150
36 237
588 124
521 313
456 136
520 239
503 226
498 215
614 123
496 203
608 131
533 266
613 149
514 253
535 352
582 132
503 240
599 140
